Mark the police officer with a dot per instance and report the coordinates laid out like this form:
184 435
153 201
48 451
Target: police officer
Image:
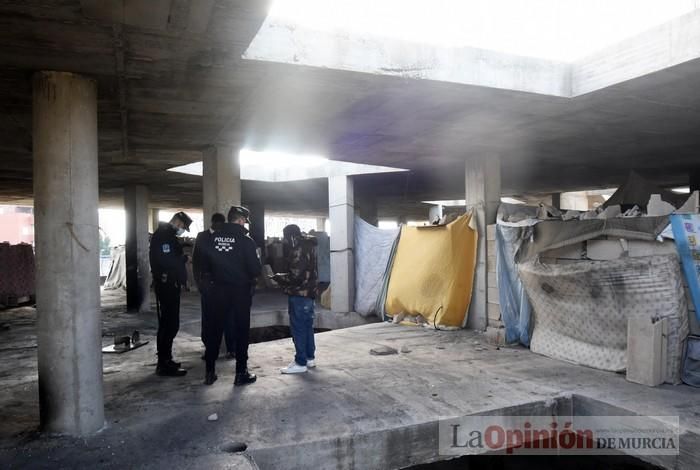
203 280
169 275
230 257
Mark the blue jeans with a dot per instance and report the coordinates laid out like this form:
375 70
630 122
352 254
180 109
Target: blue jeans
301 322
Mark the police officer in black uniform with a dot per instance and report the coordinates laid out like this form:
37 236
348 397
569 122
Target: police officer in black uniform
169 275
230 257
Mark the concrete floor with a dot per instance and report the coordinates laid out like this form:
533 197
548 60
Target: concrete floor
355 410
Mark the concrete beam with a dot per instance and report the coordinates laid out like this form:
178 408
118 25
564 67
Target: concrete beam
138 270
69 323
221 180
341 208
672 43
483 196
282 41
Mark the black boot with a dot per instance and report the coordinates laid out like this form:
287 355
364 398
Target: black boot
244 378
170 370
173 364
210 377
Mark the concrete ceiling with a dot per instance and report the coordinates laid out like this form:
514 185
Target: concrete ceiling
172 82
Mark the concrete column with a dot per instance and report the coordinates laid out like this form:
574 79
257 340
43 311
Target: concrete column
221 180
154 220
69 323
138 269
483 196
341 202
257 223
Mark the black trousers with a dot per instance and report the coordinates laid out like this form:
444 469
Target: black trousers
227 304
168 297
205 292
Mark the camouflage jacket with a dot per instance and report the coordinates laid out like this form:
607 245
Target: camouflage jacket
301 280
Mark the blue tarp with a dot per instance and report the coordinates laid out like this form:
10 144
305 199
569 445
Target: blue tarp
516 311
686 233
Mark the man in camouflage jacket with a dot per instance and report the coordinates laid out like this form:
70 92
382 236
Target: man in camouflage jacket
300 283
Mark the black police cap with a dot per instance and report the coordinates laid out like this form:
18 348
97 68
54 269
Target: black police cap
185 219
238 211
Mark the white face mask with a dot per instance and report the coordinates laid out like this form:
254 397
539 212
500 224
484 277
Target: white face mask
180 231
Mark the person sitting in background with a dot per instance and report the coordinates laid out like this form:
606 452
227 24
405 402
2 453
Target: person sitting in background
300 284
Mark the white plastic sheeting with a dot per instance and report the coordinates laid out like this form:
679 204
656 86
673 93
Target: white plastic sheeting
116 279
581 309
372 252
515 306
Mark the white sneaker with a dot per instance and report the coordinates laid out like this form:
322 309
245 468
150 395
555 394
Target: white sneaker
294 368
311 363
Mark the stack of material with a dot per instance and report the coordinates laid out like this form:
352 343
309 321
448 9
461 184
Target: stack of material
581 309
17 273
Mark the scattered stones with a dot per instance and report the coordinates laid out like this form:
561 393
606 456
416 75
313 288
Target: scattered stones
383 351
213 417
405 349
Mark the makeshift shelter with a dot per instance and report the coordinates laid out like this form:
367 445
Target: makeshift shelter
372 252
581 309
637 191
433 272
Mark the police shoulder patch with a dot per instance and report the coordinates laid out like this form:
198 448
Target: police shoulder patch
165 248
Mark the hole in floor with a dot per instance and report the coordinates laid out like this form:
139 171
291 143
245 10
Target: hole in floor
537 462
235 447
272 333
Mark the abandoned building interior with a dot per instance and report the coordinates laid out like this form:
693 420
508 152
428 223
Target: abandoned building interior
503 197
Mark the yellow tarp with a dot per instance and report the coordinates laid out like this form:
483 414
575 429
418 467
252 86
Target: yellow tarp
433 272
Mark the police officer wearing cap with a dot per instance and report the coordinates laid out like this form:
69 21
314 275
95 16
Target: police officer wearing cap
169 275
230 257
